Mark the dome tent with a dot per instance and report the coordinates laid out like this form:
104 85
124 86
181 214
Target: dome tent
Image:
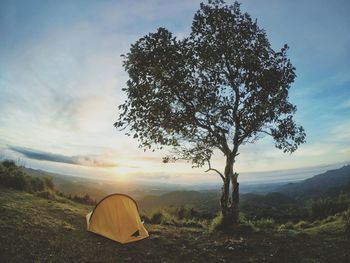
116 217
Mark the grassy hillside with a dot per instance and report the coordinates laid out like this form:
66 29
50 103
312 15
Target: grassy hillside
34 229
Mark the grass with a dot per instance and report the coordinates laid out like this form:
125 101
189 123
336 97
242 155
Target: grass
176 216
36 229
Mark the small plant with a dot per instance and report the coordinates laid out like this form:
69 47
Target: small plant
289 225
264 224
217 223
286 226
302 224
281 228
177 216
156 217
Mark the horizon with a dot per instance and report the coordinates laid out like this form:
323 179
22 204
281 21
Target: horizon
61 77
249 179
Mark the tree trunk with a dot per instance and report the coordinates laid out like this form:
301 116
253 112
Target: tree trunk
230 204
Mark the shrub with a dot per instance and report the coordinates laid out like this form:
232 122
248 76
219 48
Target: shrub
324 207
281 228
35 184
287 226
217 223
14 177
244 225
302 224
182 212
264 224
156 217
166 216
8 163
46 194
86 199
48 182
178 216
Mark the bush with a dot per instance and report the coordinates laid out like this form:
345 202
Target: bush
302 224
244 225
176 216
324 207
156 217
281 228
8 164
287 226
14 177
217 223
86 199
46 194
264 224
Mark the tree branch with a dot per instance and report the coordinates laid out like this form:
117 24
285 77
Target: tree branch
212 169
266 132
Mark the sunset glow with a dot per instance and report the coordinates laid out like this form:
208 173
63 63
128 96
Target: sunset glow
61 80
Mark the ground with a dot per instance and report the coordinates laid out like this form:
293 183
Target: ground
34 229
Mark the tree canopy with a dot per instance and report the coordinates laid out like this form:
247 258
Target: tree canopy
218 88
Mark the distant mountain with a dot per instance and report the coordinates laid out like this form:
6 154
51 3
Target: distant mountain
279 204
319 184
258 188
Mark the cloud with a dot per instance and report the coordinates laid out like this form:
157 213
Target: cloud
341 132
92 161
61 77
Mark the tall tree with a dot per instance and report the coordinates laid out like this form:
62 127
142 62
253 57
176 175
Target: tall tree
219 88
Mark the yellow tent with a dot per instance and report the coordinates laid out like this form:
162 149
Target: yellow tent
116 217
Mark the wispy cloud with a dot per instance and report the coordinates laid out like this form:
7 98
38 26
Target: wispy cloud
87 160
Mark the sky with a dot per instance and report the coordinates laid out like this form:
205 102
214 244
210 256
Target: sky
61 77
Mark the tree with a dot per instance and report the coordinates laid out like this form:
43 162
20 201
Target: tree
219 88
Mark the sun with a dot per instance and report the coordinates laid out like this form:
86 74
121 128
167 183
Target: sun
122 172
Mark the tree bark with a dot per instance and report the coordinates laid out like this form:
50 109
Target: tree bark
230 204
